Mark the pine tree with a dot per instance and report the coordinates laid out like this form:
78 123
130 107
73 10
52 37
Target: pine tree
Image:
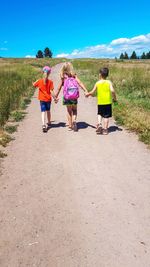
122 56
133 56
148 55
47 52
39 54
143 56
126 56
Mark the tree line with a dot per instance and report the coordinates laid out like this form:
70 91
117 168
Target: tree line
134 56
46 53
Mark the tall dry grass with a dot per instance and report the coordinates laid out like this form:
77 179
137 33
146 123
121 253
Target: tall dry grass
16 77
16 83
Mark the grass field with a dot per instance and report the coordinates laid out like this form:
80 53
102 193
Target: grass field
16 77
131 80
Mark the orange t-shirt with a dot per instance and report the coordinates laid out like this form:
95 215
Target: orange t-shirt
44 89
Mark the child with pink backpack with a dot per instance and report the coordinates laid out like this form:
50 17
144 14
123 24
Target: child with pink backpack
71 85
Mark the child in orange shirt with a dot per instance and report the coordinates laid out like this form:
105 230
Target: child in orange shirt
45 95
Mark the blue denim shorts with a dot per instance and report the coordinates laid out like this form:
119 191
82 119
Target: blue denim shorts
45 106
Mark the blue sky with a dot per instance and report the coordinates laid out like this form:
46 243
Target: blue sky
74 28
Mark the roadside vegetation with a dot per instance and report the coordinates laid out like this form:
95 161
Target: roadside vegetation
131 80
16 77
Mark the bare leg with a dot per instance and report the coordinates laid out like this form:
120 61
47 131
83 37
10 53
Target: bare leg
43 122
49 117
99 118
99 125
74 111
43 117
69 115
106 122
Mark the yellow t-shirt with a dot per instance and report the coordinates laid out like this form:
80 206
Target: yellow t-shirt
104 96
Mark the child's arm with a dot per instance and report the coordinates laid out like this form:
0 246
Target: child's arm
81 85
92 91
113 92
54 96
59 88
35 84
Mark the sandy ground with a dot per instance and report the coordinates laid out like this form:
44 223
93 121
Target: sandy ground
74 199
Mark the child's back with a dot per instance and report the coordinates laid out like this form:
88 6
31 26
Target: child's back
105 92
104 95
71 88
44 89
70 84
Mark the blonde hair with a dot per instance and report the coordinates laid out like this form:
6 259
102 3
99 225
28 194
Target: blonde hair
67 69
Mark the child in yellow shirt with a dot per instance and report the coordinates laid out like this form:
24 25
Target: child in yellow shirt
105 93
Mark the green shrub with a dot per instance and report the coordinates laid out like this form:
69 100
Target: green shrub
11 128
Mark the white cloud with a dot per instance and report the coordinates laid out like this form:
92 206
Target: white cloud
134 40
29 56
140 39
62 55
139 43
75 52
120 41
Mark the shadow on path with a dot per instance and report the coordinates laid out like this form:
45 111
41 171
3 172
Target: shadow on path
84 125
114 129
57 125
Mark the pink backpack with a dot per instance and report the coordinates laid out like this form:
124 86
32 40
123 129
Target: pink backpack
71 88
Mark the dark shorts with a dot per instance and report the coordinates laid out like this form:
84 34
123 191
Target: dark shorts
70 102
105 110
45 106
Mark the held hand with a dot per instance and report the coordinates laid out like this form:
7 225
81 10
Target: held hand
86 94
56 100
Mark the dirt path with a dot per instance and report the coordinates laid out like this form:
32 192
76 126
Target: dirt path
74 199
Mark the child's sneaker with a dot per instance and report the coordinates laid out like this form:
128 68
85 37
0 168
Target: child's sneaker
44 128
74 126
105 131
99 129
70 128
48 125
